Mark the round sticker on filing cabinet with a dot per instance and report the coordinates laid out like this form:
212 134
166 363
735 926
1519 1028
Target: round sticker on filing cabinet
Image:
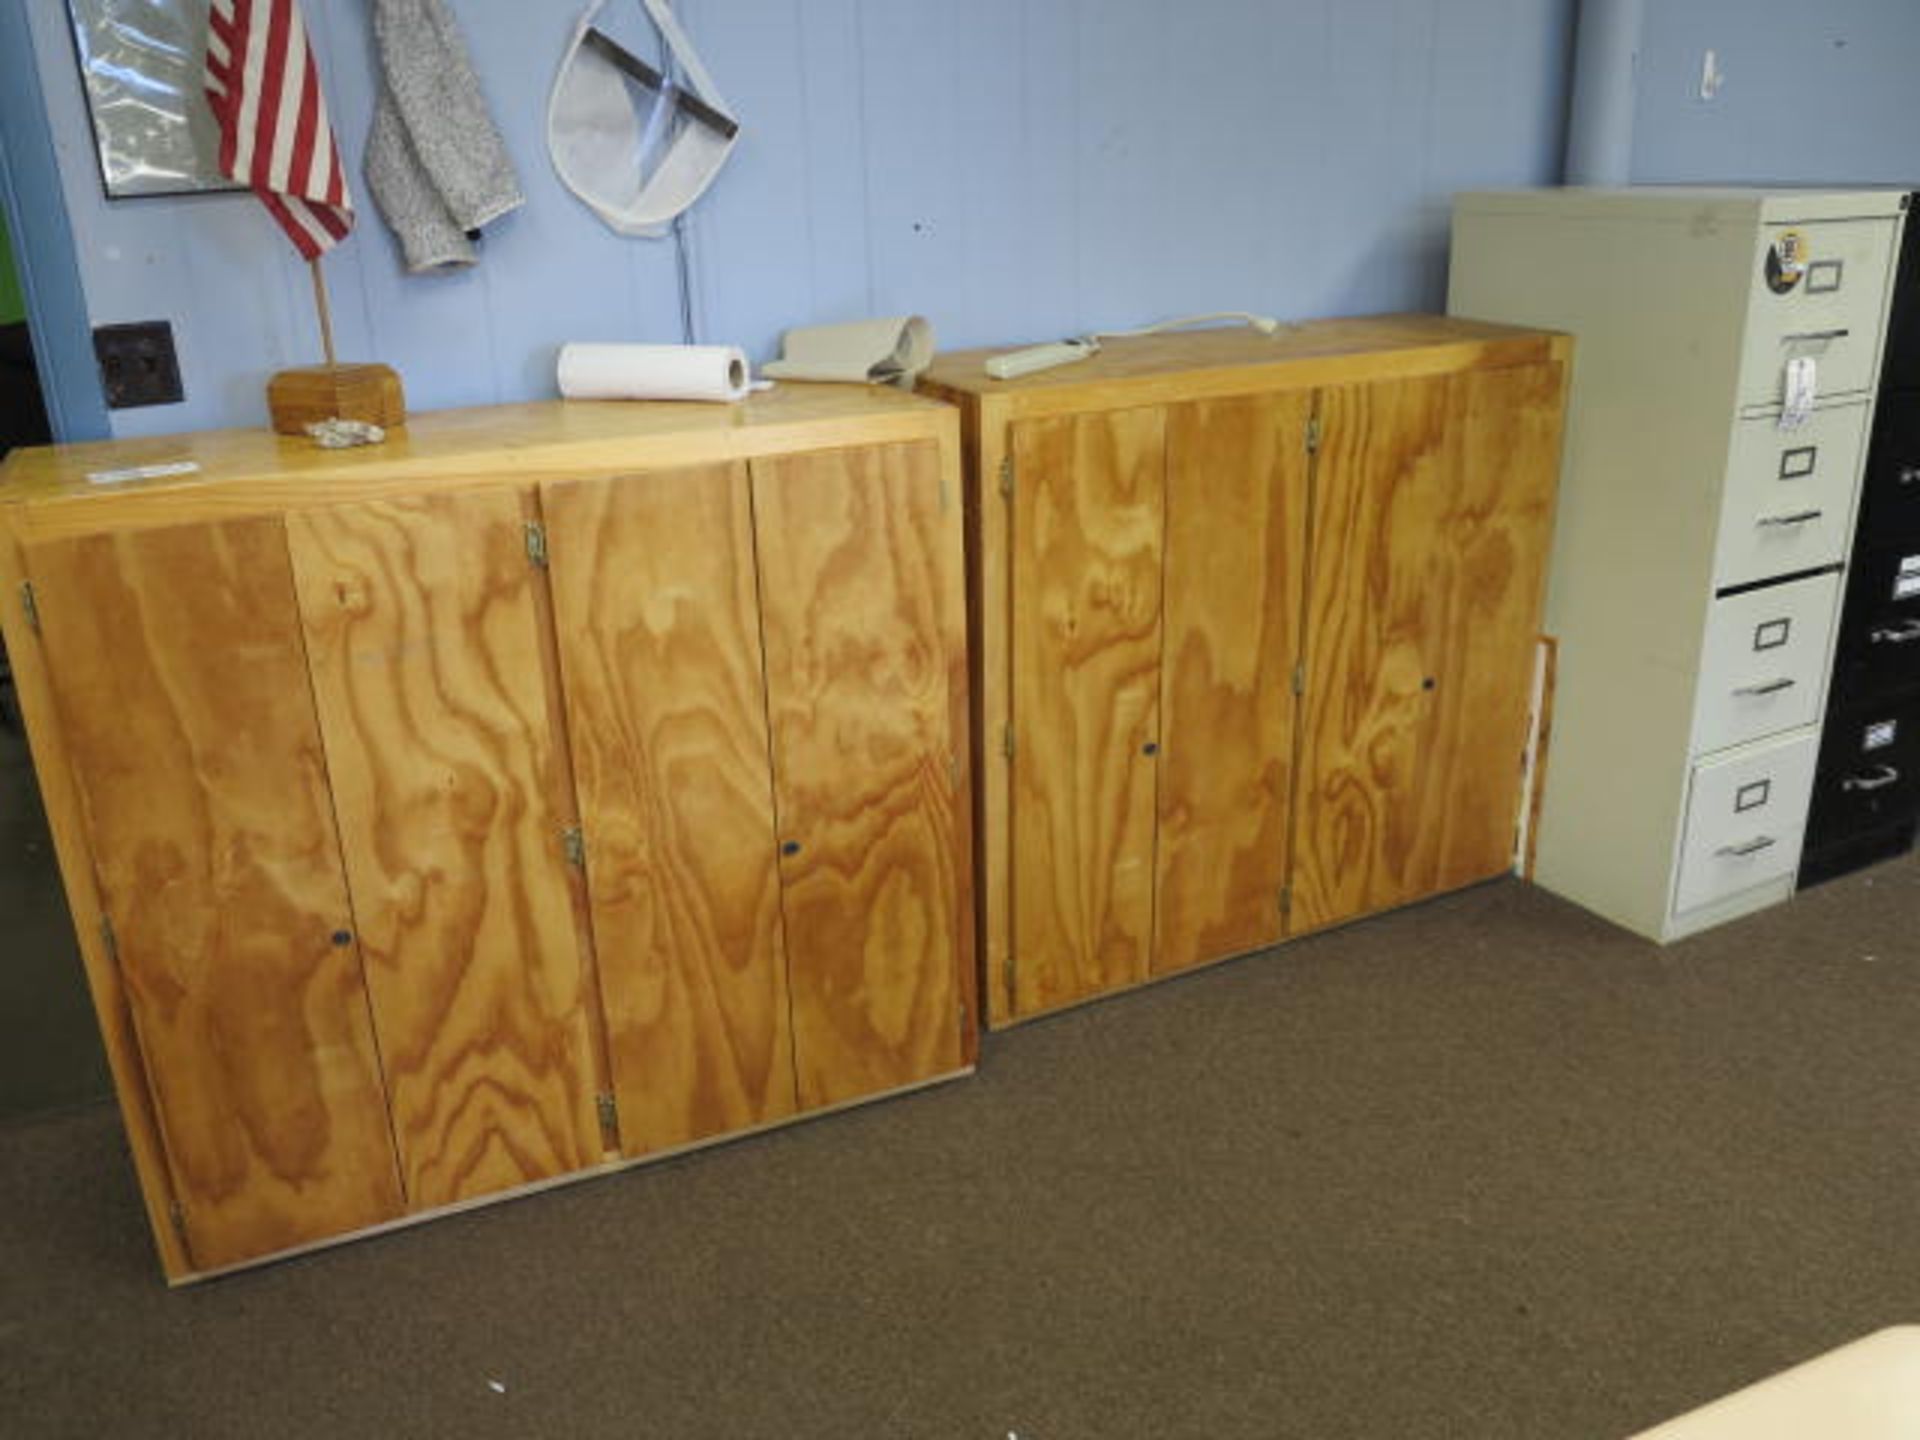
1786 261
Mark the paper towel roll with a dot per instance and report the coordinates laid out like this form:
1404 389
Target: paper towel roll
653 372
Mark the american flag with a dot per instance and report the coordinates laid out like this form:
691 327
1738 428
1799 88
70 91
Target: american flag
274 133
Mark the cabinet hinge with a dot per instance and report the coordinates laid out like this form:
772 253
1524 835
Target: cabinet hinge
609 1118
1006 976
1006 476
573 841
1006 742
30 604
1286 899
177 1213
1313 435
537 544
1299 679
109 941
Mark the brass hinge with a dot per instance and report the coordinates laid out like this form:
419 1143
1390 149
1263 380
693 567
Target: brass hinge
1299 679
1006 476
1006 742
537 544
108 940
178 1215
1313 435
30 603
609 1118
573 841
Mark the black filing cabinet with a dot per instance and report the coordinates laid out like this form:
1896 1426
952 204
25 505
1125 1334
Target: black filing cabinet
1866 789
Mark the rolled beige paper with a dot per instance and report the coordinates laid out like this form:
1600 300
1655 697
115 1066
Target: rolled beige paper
653 372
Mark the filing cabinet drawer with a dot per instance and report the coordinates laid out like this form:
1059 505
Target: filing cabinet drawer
1890 506
1868 778
1879 647
1789 497
1900 365
1746 817
1763 662
1831 312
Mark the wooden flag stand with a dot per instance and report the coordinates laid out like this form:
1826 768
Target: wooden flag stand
298 398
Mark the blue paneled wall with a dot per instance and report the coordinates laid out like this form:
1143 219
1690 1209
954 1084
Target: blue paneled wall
1826 92
1011 168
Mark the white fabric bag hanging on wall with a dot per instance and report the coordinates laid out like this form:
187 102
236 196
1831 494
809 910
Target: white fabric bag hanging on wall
636 172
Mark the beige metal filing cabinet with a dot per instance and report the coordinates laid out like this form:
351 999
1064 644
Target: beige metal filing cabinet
1695 579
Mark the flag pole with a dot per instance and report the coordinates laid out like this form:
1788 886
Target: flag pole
326 311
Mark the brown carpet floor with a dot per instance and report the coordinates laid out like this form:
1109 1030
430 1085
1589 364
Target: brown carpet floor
1484 1168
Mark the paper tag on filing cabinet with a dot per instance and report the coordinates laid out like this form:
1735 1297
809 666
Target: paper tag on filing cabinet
1802 382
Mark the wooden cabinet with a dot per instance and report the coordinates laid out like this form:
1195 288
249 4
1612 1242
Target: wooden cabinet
1256 634
553 787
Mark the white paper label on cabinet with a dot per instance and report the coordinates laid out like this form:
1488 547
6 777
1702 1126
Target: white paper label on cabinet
1879 735
1803 381
1906 583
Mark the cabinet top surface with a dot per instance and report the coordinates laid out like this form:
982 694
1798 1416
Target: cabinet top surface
1692 204
537 440
1354 349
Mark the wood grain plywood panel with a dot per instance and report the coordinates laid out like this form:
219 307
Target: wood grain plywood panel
177 663
1432 502
425 644
655 596
1087 541
1235 545
857 548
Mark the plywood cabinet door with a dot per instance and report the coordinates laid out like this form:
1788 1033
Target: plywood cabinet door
430 651
1236 512
656 602
1087 545
858 549
1431 511
177 666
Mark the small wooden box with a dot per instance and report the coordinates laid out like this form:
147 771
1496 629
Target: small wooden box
297 398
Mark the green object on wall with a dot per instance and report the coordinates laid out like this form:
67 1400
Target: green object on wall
13 304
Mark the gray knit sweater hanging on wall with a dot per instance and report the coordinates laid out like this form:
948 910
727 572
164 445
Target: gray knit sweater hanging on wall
436 165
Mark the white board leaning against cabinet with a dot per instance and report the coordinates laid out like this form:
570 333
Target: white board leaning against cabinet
1695 578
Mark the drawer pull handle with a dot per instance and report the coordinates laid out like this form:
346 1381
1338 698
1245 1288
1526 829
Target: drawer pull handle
1904 633
1765 687
1808 337
1752 847
1798 517
1882 776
